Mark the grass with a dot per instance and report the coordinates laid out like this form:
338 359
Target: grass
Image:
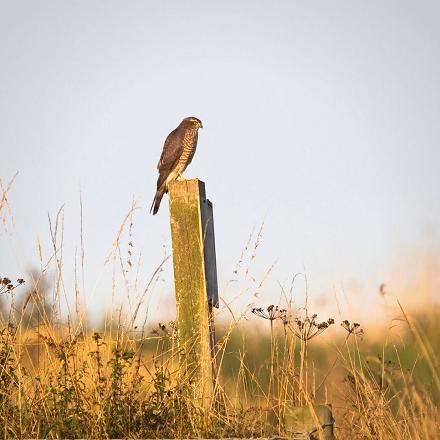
62 378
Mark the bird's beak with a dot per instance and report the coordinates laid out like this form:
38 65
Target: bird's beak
201 125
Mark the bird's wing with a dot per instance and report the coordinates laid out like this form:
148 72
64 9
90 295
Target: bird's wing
171 152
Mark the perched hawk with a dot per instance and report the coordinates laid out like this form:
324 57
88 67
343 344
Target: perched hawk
178 151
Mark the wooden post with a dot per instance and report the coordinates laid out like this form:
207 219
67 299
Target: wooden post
195 278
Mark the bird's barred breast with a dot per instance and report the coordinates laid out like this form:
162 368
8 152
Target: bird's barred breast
189 146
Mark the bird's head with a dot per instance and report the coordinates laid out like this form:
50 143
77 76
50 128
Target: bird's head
192 122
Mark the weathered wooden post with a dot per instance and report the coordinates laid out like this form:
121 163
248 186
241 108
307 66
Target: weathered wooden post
195 278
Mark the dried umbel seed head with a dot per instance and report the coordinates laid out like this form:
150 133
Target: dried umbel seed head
309 328
352 329
6 285
271 313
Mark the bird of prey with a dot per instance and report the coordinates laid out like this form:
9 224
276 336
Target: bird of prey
178 151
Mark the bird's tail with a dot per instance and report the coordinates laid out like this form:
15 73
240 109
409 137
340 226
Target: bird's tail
157 198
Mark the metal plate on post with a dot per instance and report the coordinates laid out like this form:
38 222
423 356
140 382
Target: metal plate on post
209 251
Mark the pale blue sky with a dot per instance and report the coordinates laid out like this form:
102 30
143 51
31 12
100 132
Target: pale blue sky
320 118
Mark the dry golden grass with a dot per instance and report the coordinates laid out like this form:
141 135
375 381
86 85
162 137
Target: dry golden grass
61 379
65 381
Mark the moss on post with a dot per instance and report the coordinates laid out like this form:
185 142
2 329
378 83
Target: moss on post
194 270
